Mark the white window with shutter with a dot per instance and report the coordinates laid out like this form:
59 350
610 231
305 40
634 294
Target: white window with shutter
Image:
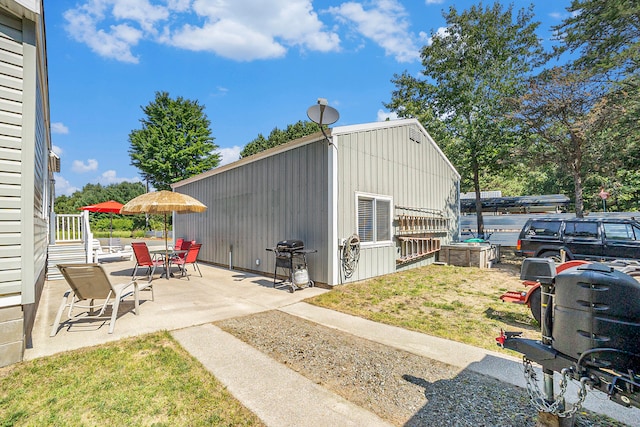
374 219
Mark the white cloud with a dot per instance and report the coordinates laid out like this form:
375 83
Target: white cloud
385 23
142 12
178 5
229 155
57 150
63 187
440 32
243 30
110 177
221 91
228 39
79 166
434 1
246 30
114 41
385 115
58 127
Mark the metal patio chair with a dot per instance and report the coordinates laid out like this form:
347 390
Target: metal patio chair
191 257
143 259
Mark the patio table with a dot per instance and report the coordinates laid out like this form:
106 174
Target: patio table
167 262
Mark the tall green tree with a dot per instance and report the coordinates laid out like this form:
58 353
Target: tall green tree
278 137
606 34
606 37
562 108
483 57
174 142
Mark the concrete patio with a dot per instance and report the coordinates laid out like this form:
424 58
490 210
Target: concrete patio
219 294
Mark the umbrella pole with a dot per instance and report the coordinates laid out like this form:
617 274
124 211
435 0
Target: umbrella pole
110 231
166 247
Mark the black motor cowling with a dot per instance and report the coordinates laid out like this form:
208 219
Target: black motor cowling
596 317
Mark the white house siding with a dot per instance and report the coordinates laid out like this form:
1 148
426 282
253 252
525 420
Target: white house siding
255 203
381 159
25 178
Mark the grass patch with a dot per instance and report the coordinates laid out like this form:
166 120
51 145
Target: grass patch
148 380
457 303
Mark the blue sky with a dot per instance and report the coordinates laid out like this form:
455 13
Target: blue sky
253 64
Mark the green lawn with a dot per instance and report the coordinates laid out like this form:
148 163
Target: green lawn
149 380
457 303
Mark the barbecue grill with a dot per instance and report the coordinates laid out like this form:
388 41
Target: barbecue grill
291 259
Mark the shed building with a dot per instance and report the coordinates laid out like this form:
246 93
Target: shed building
386 182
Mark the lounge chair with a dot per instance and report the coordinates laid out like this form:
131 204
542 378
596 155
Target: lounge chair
191 257
115 244
102 256
143 259
89 282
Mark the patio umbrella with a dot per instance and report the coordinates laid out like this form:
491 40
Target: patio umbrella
110 207
163 202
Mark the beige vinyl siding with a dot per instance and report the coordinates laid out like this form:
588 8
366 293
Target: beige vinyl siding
256 204
11 92
386 162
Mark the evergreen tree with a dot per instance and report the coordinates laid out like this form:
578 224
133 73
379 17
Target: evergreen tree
174 143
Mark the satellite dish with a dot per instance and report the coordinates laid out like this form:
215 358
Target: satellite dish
322 114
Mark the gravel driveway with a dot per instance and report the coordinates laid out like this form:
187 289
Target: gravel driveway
400 387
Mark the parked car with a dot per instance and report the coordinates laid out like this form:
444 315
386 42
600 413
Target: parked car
591 239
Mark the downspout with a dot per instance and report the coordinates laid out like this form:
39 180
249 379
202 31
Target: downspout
458 233
332 246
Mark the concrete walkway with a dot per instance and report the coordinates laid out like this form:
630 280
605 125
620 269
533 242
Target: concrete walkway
275 393
266 387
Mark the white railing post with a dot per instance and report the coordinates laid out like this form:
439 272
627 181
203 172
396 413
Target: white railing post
87 237
53 223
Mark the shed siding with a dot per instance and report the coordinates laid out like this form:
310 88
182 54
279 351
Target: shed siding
11 152
386 162
255 205
307 190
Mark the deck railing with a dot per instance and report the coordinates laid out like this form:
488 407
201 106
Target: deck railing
73 228
69 228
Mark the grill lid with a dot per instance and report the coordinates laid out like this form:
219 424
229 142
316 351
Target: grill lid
290 245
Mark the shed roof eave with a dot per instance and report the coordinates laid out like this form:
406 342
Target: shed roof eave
259 156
